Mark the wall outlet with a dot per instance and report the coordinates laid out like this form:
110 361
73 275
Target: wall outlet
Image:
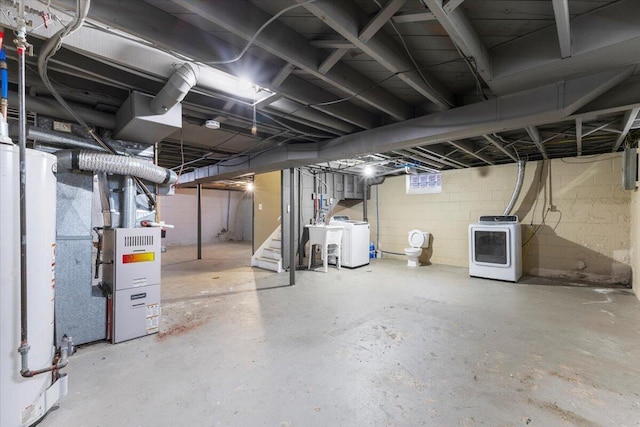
259 206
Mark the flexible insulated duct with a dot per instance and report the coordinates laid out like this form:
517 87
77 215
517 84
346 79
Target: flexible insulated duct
516 190
119 165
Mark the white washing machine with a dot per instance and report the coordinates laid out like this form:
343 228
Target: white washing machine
495 248
355 241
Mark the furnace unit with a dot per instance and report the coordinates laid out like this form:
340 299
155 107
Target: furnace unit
131 274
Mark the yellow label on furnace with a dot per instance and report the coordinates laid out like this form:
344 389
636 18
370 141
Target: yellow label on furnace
142 257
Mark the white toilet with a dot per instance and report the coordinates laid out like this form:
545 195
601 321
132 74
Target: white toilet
418 240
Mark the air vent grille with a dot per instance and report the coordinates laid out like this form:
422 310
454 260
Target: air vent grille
138 241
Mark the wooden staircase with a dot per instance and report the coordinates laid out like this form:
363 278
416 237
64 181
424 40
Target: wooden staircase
269 255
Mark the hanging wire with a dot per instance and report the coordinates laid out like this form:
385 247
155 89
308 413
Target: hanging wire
257 33
415 64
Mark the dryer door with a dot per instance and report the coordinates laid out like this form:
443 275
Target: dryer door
491 246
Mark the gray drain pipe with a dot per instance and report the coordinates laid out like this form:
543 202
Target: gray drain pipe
516 190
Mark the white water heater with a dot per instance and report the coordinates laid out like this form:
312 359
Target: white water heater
23 401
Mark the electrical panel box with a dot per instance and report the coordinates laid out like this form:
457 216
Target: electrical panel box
131 273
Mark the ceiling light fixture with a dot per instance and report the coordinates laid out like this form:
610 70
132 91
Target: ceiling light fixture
238 86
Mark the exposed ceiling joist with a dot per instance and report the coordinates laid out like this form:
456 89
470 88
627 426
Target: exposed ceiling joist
241 18
601 40
450 5
345 18
561 12
332 44
116 51
380 19
595 129
534 134
500 147
547 104
282 75
468 148
418 158
629 117
331 60
457 25
429 155
441 155
405 18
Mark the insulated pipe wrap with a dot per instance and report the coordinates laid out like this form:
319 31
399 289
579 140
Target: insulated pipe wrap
119 165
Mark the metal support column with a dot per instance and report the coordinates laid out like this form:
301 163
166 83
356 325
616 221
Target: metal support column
199 221
364 201
292 227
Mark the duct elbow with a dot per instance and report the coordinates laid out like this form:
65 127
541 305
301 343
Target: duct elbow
179 84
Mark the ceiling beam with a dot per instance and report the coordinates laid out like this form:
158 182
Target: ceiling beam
282 75
332 59
417 157
380 19
534 134
579 136
459 28
243 19
598 128
561 12
543 105
468 148
332 44
605 39
628 119
441 155
405 18
178 36
450 5
500 147
347 18
431 156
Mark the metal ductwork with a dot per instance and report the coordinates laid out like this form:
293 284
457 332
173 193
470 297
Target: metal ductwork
179 84
50 107
150 119
69 141
119 165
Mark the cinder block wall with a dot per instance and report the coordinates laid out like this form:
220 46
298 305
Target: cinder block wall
576 206
635 240
181 211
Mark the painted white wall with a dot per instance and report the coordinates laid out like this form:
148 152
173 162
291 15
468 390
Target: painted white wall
181 211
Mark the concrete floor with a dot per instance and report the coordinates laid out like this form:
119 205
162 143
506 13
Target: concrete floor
383 345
